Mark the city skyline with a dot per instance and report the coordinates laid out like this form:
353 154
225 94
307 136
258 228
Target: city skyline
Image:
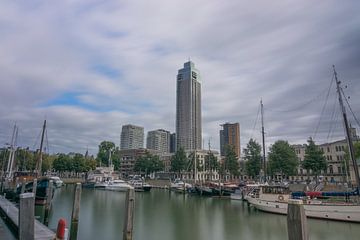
91 67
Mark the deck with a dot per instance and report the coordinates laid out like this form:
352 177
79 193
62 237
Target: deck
12 214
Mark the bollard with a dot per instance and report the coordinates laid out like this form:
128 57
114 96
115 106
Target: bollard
49 194
75 212
296 220
26 216
34 187
129 214
23 185
60 231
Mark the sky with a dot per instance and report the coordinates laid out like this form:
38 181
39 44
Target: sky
89 67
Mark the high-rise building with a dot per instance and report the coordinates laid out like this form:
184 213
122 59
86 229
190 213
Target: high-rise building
132 137
188 108
230 135
173 142
158 140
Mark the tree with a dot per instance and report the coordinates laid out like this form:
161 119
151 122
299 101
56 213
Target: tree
282 159
148 164
231 162
253 158
211 163
105 148
314 159
179 161
61 163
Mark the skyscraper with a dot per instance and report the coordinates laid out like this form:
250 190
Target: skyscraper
188 108
173 142
230 135
132 137
158 140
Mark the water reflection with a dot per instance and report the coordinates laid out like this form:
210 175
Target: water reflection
161 215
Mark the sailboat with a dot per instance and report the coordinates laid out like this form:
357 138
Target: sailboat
274 199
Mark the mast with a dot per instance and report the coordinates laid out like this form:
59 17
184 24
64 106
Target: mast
12 153
39 163
195 167
263 139
347 130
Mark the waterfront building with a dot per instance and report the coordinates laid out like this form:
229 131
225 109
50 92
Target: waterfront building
203 172
230 136
188 108
132 137
158 140
128 158
334 153
173 142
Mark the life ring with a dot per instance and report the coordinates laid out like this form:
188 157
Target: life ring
281 198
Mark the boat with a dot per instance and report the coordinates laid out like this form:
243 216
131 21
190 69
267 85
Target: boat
274 199
57 182
203 190
115 185
179 186
140 186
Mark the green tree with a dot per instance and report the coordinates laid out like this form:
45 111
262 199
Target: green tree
282 159
231 163
148 164
314 159
253 158
105 148
78 163
179 161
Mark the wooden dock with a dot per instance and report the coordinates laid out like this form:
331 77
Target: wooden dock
11 214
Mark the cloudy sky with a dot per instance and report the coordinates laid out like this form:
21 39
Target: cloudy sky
89 67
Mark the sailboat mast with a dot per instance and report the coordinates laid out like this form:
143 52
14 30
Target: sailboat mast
263 138
347 130
12 153
38 167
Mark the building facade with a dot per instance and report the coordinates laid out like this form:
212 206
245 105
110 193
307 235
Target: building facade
334 153
173 142
188 108
158 140
132 137
230 135
128 158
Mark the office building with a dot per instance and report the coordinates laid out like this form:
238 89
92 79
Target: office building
188 108
132 137
230 135
158 140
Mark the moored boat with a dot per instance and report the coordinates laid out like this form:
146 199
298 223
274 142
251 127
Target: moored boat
274 199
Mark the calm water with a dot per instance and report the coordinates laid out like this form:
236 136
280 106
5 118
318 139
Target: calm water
161 215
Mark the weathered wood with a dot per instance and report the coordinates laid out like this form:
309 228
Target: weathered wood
49 193
75 212
129 214
11 215
26 216
296 221
34 187
23 185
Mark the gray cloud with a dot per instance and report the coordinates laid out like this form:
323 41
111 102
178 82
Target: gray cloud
281 52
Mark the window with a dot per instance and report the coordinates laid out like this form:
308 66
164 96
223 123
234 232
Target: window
339 169
328 149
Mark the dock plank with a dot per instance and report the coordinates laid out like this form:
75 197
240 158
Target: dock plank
41 231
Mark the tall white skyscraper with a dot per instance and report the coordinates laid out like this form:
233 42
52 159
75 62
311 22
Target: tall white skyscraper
132 137
158 140
188 108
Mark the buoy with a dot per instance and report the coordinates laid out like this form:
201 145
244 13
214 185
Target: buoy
60 231
281 197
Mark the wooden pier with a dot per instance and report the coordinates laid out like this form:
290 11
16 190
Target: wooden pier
11 216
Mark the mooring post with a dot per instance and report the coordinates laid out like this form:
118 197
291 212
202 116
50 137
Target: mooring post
75 212
49 193
23 185
129 214
296 220
26 216
34 187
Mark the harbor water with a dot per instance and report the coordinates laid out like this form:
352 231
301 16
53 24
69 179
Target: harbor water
164 215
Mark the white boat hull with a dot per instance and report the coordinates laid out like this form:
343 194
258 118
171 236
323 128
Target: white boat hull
340 212
118 188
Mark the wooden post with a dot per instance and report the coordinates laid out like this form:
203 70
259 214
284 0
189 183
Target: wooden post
23 185
296 220
26 216
129 214
49 193
34 187
75 212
